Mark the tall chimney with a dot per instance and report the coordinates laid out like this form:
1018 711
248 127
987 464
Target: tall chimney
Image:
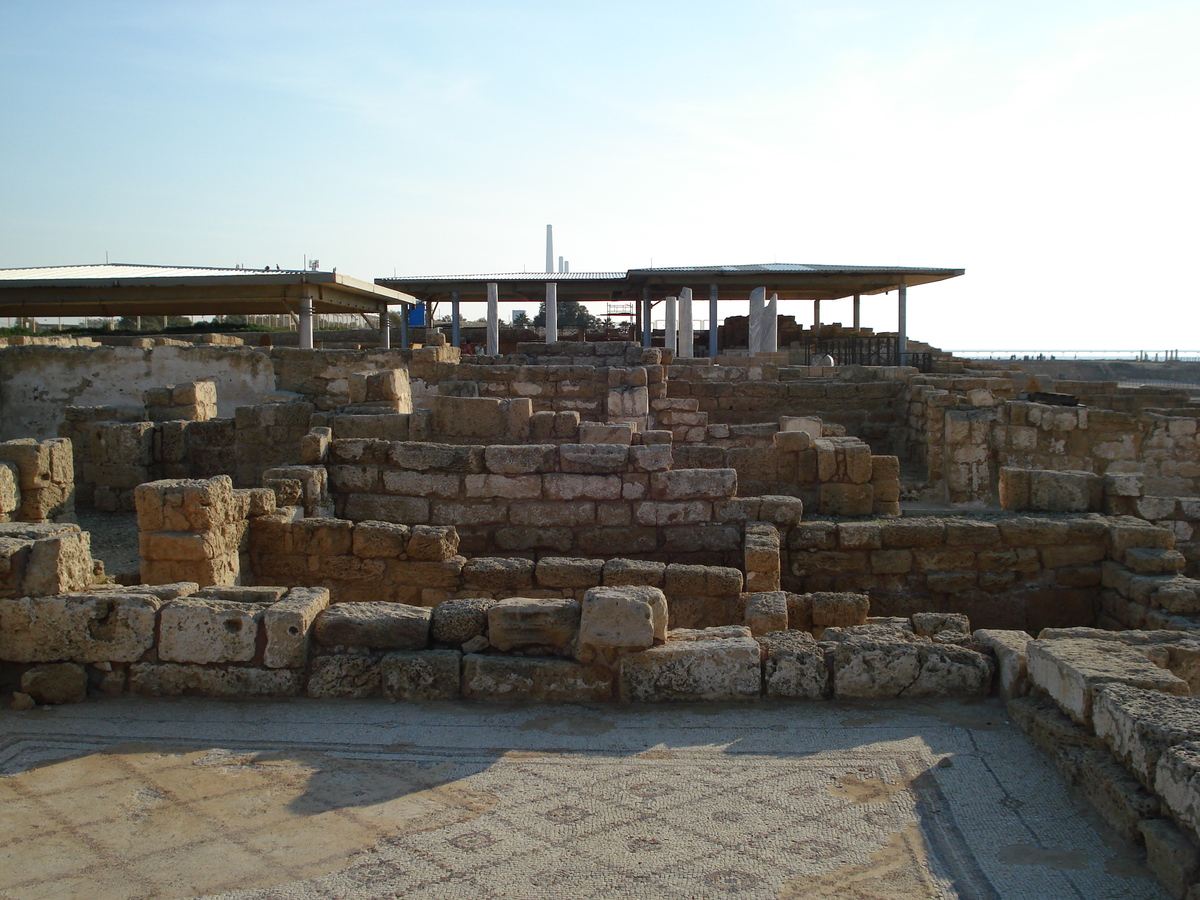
549 248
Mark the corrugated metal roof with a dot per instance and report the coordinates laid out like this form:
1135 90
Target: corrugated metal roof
127 270
789 267
512 276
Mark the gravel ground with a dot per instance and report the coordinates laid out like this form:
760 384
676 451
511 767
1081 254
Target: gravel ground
115 541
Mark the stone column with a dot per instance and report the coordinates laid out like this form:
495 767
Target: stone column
758 299
455 321
902 327
857 310
493 319
713 294
686 338
669 326
404 312
551 312
385 331
817 319
306 323
771 325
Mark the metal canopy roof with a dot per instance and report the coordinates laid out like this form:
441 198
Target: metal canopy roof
121 289
790 280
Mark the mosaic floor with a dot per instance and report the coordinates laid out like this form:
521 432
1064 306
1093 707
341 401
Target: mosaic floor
173 799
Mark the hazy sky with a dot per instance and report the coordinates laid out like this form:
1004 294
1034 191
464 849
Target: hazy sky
1049 148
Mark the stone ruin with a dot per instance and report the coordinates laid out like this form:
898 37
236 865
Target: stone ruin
605 523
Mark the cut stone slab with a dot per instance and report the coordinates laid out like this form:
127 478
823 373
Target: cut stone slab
514 679
349 676
697 667
839 609
85 628
794 665
1177 782
569 572
1009 650
461 620
766 612
288 625
1171 856
1071 669
419 677
172 679
1139 725
203 630
1116 795
623 618
55 683
928 624
619 571
865 669
527 622
1048 727
380 626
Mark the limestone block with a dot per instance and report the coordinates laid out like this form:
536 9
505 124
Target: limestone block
529 622
314 446
1009 650
1170 856
506 487
839 609
59 564
1065 491
593 459
350 676
480 417
387 540
627 402
432 543
458 621
780 510
766 612
288 623
10 492
55 683
651 457
382 626
792 441
794 666
1124 484
502 459
498 574
567 572
703 581
713 667
1138 725
1070 670
619 571
594 433
172 679
1177 782
421 677
207 630
116 627
859 536
422 456
839 499
929 624
582 487
520 680
678 512
1121 801
413 573
865 669
693 484
322 537
761 556
623 618
948 670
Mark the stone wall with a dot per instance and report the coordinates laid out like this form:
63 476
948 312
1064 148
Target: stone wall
43 560
37 481
1015 573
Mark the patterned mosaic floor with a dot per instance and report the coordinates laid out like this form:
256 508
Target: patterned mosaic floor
174 799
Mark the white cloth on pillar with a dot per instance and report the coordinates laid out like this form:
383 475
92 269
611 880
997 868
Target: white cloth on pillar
686 339
669 325
493 319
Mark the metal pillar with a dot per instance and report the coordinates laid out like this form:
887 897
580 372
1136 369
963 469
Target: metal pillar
687 341
713 293
670 325
857 309
306 323
551 312
645 317
455 321
493 319
902 327
385 331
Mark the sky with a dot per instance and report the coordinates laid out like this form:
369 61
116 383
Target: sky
1048 148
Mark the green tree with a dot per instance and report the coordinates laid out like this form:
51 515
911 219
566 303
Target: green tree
521 318
570 315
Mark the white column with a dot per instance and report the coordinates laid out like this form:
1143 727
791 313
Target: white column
857 305
686 338
713 296
551 312
493 319
306 316
385 331
771 325
758 299
669 325
902 328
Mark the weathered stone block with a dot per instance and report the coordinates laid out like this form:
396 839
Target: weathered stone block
432 543
693 484
288 624
420 677
839 609
388 540
865 669
502 459
171 679
598 459
498 574
206 630
701 581
623 618
1171 856
55 683
618 572
527 622
705 667
457 621
1009 650
841 499
766 612
518 680
567 572
349 676
382 626
1139 725
794 666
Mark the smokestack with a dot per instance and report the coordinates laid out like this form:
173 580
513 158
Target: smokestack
549 248
560 268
